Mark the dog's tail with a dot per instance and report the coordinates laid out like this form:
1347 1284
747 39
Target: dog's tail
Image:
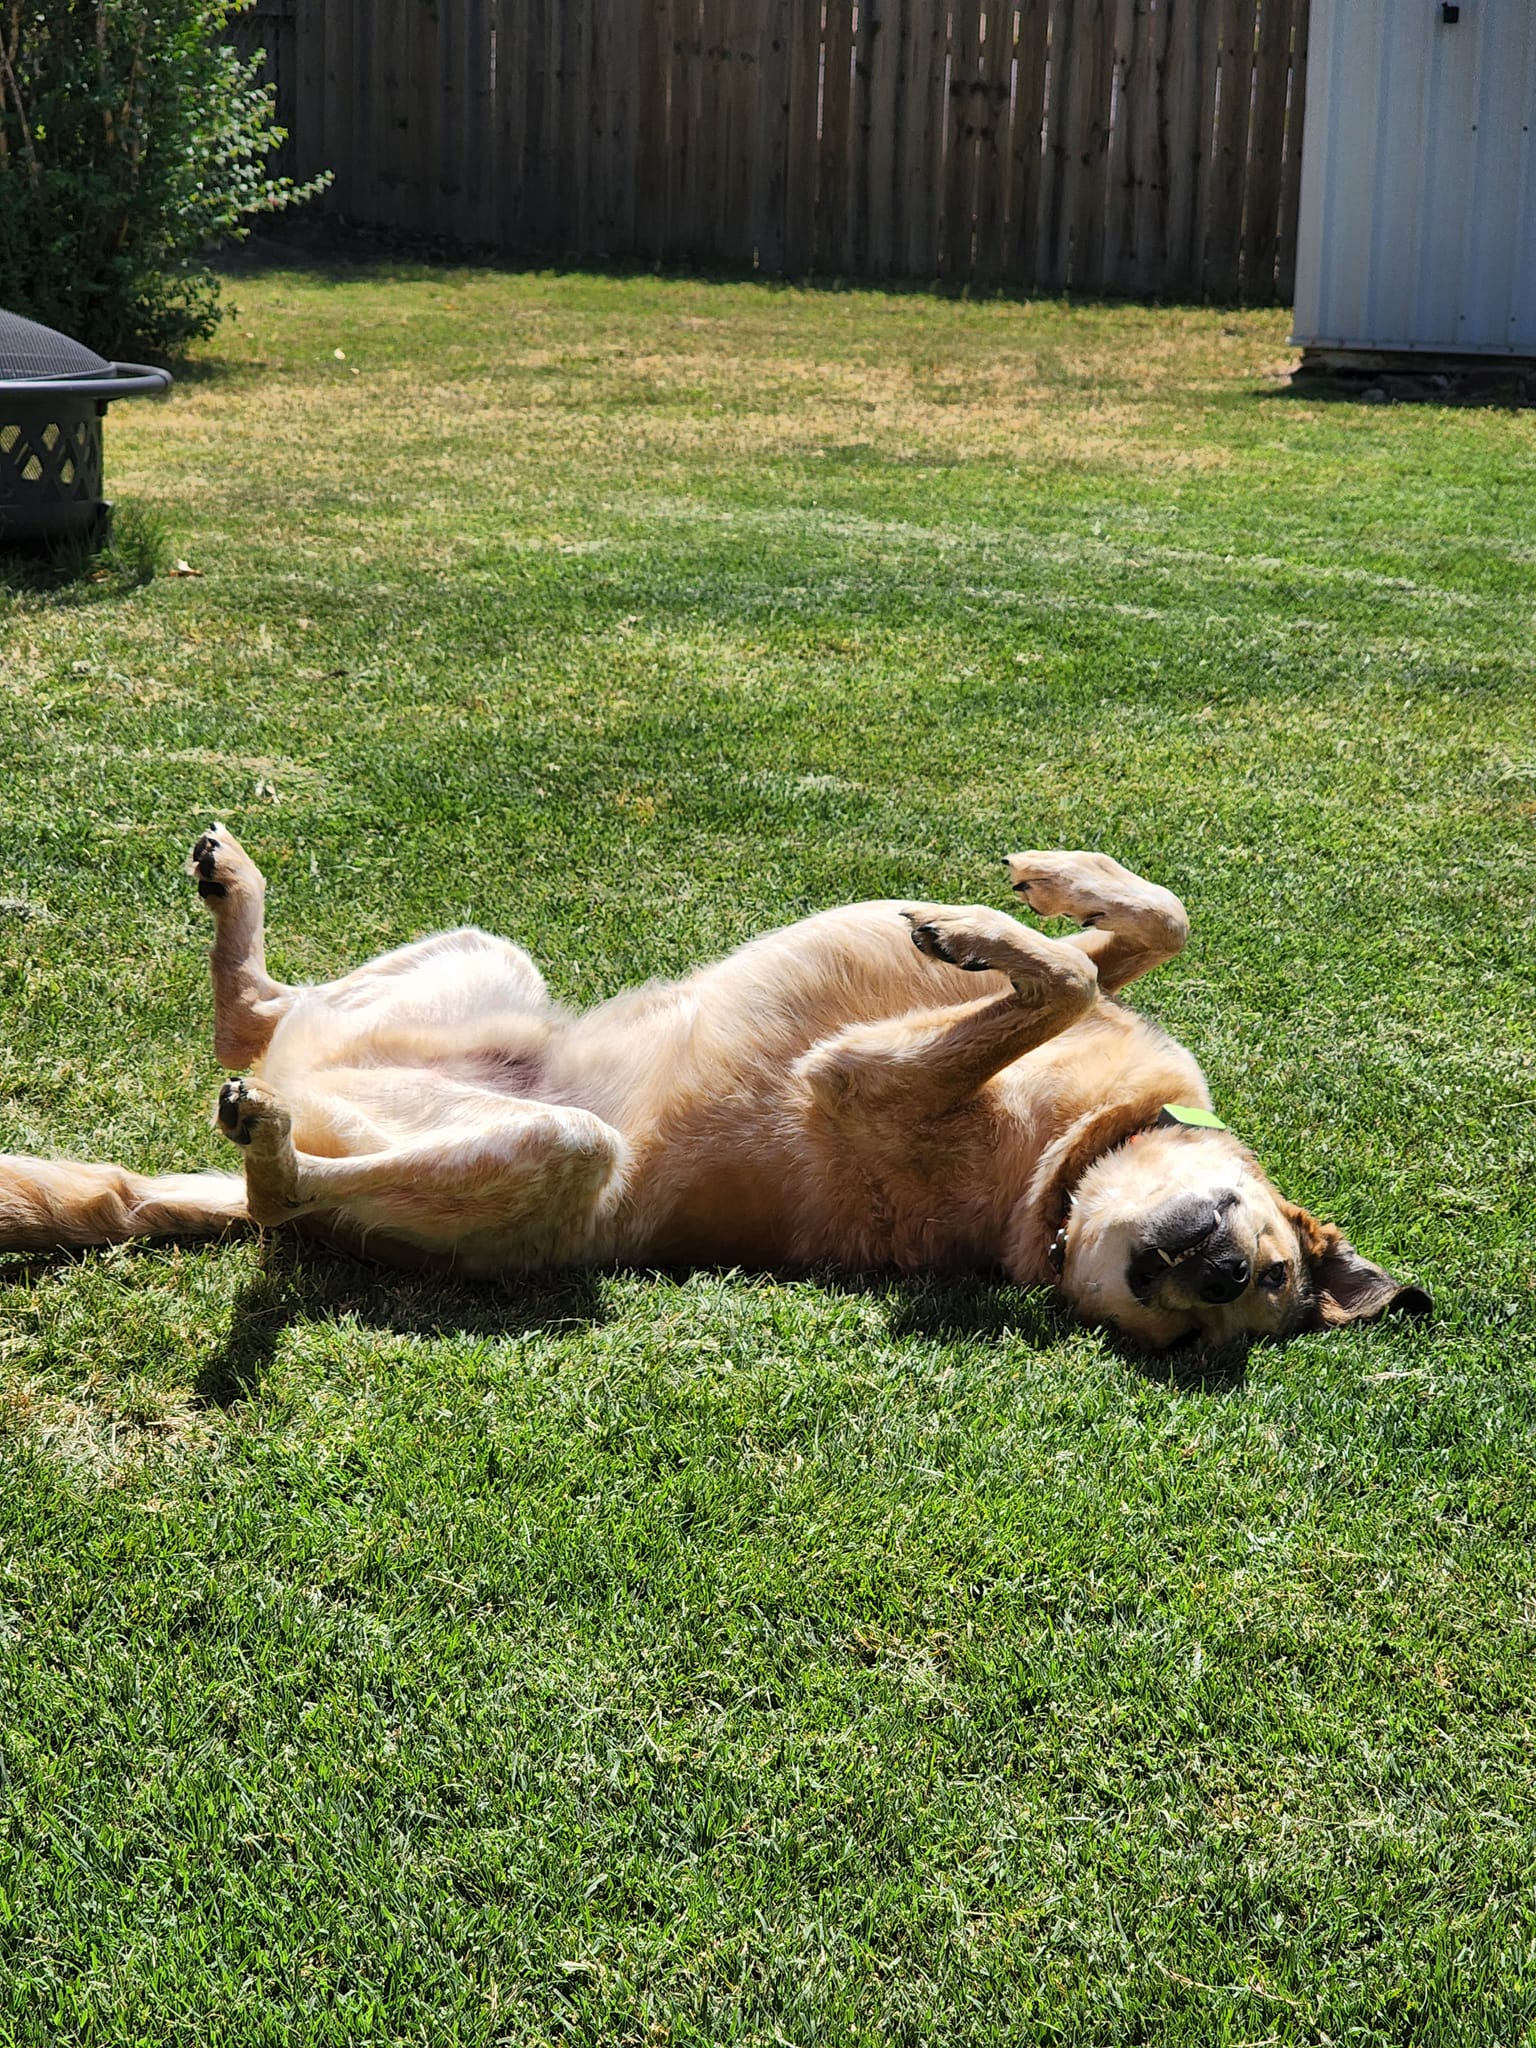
49 1204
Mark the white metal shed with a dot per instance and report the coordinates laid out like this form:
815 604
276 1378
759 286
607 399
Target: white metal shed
1417 228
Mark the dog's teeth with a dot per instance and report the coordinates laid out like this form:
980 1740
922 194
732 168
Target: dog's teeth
1167 1257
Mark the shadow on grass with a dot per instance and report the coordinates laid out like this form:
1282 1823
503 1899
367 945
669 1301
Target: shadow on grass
25 1269
300 1282
953 1309
1493 388
216 369
82 569
1189 1370
339 251
306 1283
947 1310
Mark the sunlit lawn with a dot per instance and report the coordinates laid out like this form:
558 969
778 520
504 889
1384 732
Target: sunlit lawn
638 1658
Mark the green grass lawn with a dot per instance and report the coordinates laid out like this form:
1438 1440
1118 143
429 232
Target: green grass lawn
692 1659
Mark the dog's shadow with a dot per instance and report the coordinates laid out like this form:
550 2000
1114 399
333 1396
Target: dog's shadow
302 1283
1037 1319
305 1283
942 1309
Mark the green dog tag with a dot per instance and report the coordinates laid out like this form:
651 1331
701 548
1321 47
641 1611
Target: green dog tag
1181 1113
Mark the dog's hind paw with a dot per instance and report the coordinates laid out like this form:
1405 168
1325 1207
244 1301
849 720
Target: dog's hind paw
251 1117
248 1112
1090 888
218 863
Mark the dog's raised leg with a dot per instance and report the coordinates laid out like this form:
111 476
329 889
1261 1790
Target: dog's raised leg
929 1062
247 1003
1130 925
526 1187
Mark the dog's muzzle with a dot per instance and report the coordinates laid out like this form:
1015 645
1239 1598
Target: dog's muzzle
1190 1237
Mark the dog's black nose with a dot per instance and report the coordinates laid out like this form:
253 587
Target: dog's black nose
1223 1277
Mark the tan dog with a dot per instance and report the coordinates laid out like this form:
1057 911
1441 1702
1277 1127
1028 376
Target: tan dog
887 1084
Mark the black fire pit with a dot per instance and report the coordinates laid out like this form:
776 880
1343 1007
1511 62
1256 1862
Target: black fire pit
54 393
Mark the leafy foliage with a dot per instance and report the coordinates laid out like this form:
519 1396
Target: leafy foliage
132 141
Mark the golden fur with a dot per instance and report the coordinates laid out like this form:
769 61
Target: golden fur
892 1083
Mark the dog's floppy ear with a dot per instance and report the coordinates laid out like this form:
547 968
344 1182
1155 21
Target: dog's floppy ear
1349 1289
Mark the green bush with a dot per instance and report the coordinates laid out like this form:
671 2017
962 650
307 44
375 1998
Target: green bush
132 141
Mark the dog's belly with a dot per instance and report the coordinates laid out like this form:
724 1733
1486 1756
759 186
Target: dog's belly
740 1220
779 1188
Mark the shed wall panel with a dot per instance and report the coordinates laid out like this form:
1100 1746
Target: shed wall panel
1417 217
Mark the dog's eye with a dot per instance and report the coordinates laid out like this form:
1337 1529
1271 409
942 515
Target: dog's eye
1273 1276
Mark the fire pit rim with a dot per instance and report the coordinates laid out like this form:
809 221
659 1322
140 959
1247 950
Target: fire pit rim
117 380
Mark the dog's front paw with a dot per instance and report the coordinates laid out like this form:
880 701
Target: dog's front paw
984 941
248 1112
955 941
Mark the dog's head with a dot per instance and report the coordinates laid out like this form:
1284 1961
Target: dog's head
1178 1233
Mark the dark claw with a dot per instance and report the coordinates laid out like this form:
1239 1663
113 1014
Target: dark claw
928 939
204 863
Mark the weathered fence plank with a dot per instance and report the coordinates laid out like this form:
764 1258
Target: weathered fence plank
880 64
336 107
1149 154
994 107
1067 58
1230 148
378 167
1089 122
923 138
1290 177
510 27
1143 146
1265 158
962 126
832 194
594 228
686 100
719 78
738 238
770 194
1026 143
652 63
1189 36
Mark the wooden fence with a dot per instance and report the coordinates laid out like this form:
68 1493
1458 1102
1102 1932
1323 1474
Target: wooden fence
1143 146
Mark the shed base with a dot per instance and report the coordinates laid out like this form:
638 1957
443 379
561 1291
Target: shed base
1447 379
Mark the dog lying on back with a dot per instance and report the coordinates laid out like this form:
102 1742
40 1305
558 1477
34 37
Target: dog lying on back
889 1084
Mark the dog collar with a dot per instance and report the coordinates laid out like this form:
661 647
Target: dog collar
1169 1117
